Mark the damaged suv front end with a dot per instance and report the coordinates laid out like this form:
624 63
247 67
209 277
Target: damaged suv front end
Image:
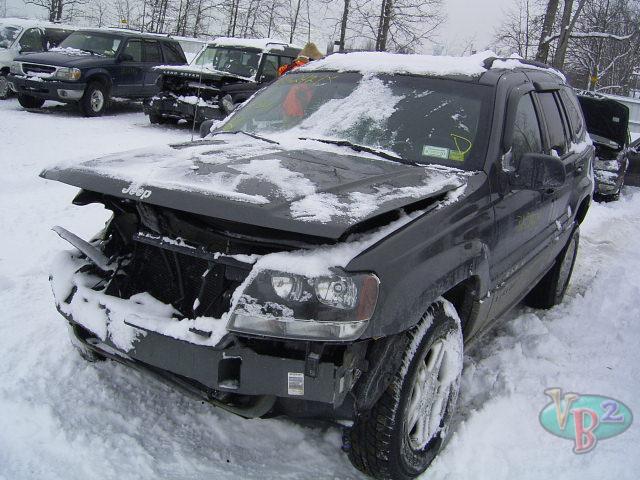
608 126
255 268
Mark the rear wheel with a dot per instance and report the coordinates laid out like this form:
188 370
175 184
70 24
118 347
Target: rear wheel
403 432
5 91
95 100
550 290
154 118
27 101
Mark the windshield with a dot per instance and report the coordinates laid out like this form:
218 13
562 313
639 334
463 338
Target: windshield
8 35
92 43
243 63
421 120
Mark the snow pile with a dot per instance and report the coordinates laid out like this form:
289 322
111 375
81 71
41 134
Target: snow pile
382 62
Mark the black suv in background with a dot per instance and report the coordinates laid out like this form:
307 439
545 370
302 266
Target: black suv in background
305 261
229 68
91 66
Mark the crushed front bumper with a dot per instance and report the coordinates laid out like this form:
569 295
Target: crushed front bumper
232 365
167 106
47 89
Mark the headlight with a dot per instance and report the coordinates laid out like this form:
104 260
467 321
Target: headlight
331 308
16 68
71 74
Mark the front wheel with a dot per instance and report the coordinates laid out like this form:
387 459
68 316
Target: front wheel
5 91
403 432
550 290
95 100
27 101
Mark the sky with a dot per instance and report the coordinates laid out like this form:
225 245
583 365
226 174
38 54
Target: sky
468 21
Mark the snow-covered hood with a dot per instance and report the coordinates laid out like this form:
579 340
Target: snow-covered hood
302 190
64 59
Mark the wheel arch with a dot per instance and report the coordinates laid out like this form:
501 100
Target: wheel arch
582 210
100 76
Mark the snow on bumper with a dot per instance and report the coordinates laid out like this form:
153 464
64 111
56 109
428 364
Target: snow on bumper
161 341
80 296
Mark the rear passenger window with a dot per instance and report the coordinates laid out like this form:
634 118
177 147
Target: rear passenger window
152 52
172 54
134 50
555 125
575 115
526 132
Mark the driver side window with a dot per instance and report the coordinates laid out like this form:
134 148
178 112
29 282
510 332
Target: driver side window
31 41
134 49
526 133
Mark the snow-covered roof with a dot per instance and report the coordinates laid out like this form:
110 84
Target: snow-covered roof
32 22
383 62
259 43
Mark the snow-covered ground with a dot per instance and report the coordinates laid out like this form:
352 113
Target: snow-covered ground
61 418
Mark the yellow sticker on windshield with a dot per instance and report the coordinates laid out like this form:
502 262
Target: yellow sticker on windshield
433 151
456 156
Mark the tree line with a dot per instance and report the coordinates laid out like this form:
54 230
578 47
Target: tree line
384 25
595 42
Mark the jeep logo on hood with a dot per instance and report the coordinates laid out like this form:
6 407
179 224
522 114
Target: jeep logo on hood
137 190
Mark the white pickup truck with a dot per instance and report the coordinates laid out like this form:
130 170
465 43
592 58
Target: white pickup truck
19 36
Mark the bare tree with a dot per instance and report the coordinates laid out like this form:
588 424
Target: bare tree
399 25
520 29
56 8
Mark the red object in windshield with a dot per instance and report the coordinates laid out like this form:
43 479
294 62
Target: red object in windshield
297 100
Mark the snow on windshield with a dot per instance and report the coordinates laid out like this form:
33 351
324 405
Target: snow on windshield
370 104
416 119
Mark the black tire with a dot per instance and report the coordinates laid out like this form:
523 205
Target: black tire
550 290
27 101
5 91
381 439
95 100
154 119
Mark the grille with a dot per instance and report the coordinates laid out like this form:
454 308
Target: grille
180 279
35 68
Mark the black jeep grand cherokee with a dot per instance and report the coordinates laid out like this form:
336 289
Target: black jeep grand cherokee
332 246
92 66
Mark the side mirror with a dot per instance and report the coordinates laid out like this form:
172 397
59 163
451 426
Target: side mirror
125 57
264 78
538 171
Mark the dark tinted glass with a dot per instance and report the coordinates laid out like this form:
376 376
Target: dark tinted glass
152 52
172 54
270 68
134 49
526 131
574 112
555 125
31 41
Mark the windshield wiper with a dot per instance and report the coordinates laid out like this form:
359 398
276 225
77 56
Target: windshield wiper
248 134
361 148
